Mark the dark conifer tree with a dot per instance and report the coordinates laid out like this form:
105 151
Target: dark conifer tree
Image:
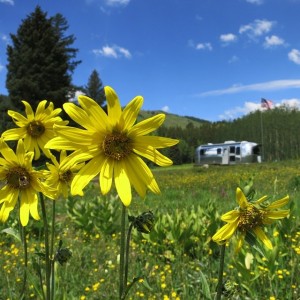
40 60
95 88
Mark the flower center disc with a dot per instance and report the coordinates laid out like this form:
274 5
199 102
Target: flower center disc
18 178
35 128
250 218
66 176
117 146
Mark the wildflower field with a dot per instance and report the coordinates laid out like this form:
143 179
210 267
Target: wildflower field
178 259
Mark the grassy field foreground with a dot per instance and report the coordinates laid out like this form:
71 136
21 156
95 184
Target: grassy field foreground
177 260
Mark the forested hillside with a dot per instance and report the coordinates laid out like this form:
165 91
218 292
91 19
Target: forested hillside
277 130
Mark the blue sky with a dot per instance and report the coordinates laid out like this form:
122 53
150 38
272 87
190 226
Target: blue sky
211 59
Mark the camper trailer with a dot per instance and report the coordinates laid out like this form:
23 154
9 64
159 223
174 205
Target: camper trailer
228 153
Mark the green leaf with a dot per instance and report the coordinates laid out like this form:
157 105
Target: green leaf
205 286
252 241
13 232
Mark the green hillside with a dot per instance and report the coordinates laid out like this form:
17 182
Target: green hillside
173 120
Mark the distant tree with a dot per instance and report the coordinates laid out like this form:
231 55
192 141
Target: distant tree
95 88
5 120
40 60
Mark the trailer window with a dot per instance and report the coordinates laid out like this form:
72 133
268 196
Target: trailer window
232 149
219 151
238 150
202 152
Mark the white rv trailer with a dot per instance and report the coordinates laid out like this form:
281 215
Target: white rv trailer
228 153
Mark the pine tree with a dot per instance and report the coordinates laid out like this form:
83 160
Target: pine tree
40 60
95 89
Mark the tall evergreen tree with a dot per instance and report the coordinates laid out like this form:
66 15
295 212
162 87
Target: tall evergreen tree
40 60
95 88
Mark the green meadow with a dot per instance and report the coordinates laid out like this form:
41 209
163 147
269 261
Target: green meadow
177 260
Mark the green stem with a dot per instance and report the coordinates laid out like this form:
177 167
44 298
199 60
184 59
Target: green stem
47 257
127 255
122 251
51 251
221 269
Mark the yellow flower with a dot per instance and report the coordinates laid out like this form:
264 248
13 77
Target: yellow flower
61 173
21 181
36 128
112 144
250 217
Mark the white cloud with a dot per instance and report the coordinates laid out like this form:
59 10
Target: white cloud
294 56
1 67
249 107
227 38
263 86
257 2
204 46
113 52
165 108
10 2
257 28
117 2
273 41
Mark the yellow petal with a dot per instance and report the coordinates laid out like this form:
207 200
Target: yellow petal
106 175
122 184
85 175
113 105
78 115
240 242
96 113
231 216
146 126
262 236
155 141
24 209
152 154
277 214
225 233
141 176
14 134
279 203
75 135
28 110
241 199
131 111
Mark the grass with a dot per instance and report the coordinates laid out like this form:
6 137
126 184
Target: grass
177 260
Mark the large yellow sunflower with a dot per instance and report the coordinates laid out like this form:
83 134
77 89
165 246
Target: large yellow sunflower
250 217
36 128
61 174
112 144
20 181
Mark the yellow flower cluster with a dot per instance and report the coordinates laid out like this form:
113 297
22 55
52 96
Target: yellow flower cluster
111 145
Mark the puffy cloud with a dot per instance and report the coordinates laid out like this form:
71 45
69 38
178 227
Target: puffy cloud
233 59
257 28
273 41
249 107
1 67
10 2
294 56
204 46
227 38
257 2
112 51
165 108
117 2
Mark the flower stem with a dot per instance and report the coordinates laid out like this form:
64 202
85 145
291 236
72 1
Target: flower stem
127 253
47 257
51 251
122 251
24 242
220 276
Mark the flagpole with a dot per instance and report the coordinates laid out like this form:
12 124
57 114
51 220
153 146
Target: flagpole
262 136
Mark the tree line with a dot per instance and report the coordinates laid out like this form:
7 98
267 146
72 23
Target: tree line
276 130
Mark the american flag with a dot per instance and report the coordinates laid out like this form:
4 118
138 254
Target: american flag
268 104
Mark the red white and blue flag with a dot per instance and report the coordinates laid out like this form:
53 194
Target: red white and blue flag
268 104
